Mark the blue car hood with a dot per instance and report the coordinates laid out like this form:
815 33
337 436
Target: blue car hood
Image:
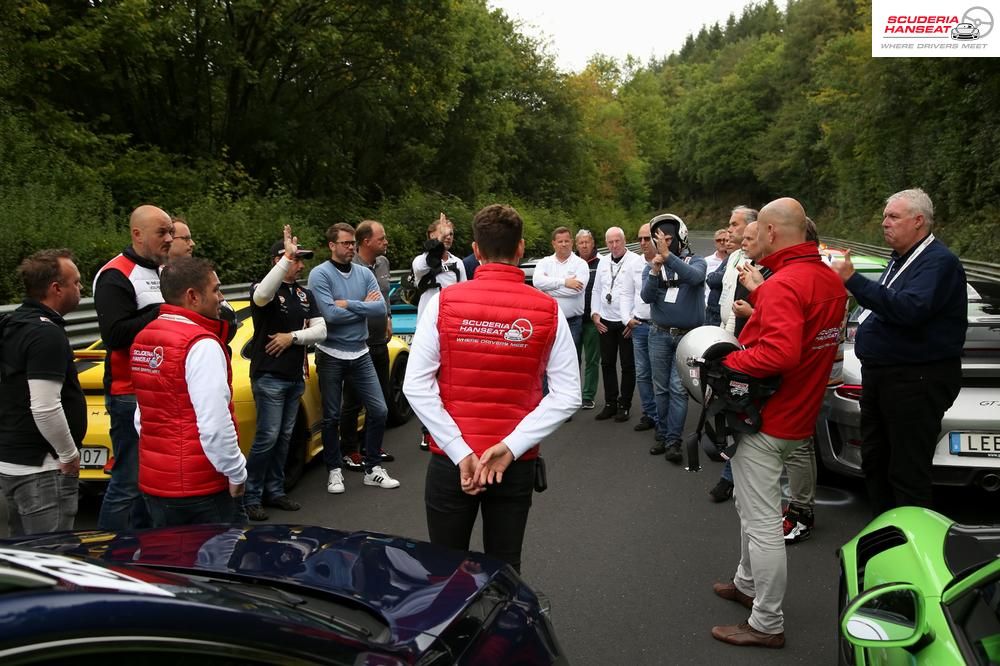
416 587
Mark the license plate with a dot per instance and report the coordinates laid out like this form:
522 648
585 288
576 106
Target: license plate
407 338
93 457
974 444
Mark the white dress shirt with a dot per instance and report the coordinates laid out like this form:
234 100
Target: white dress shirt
640 308
550 276
445 278
615 278
712 262
420 385
729 281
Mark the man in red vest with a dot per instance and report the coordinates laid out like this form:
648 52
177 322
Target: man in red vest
474 378
190 465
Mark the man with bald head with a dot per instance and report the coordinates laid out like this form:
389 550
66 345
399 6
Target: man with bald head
910 339
127 297
792 334
611 310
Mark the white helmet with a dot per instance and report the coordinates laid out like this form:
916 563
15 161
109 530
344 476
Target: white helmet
672 222
697 347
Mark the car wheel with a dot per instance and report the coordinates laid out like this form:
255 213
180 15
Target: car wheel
295 463
399 407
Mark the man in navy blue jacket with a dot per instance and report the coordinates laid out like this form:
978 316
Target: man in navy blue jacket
909 341
674 286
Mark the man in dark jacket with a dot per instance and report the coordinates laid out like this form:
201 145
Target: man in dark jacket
909 341
43 413
590 349
127 297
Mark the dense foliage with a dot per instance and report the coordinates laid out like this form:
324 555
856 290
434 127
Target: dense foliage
244 114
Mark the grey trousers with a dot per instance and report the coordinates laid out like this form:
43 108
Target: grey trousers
40 503
801 469
763 571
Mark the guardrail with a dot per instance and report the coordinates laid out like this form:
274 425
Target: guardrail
81 324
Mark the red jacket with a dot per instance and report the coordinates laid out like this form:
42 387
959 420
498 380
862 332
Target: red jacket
496 334
172 462
793 332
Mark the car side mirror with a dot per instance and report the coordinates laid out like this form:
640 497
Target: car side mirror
891 615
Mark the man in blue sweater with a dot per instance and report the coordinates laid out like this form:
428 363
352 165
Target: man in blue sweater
674 286
347 295
909 340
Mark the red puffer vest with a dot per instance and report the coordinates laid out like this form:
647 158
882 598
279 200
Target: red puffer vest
496 334
172 462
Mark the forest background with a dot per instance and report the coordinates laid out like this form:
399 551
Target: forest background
244 115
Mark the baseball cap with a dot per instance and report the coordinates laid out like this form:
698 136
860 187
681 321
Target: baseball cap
279 248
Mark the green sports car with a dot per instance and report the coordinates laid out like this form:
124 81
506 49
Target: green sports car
918 588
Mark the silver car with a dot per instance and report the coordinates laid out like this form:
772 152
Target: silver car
968 449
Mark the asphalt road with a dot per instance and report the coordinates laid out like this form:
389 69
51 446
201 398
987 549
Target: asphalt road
627 545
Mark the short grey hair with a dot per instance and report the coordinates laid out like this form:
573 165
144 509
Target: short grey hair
749 214
919 202
585 232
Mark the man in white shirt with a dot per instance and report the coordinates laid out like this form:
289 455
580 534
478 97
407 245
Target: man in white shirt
611 310
564 277
507 337
738 221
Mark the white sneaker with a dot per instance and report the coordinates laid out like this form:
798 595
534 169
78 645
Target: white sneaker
335 482
379 477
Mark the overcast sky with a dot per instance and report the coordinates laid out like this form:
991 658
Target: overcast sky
577 29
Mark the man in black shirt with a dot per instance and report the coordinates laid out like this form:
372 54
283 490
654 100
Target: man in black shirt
371 246
43 413
285 322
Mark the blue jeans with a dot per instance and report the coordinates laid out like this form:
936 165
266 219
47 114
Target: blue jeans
576 330
217 508
40 503
671 398
123 506
333 372
277 402
644 370
727 471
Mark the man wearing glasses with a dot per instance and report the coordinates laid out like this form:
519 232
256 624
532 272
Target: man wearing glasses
183 245
347 295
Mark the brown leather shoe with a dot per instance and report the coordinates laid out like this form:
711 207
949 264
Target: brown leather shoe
744 635
730 592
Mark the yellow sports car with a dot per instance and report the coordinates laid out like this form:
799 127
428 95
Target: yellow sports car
96 457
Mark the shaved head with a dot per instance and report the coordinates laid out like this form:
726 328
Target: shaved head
152 233
615 238
781 224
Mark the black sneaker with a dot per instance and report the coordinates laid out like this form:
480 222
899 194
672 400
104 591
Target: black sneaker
658 448
385 456
587 404
256 512
797 524
285 503
621 415
606 413
673 453
722 491
645 423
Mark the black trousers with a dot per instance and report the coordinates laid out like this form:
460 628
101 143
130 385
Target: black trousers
350 439
451 513
615 346
901 411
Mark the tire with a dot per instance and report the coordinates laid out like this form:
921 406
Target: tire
295 463
399 407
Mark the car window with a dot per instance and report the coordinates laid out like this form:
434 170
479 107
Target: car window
977 617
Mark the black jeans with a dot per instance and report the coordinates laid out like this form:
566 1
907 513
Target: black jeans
901 411
350 440
217 508
615 345
451 513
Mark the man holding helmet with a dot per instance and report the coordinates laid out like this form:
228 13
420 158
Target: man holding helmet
674 286
792 333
